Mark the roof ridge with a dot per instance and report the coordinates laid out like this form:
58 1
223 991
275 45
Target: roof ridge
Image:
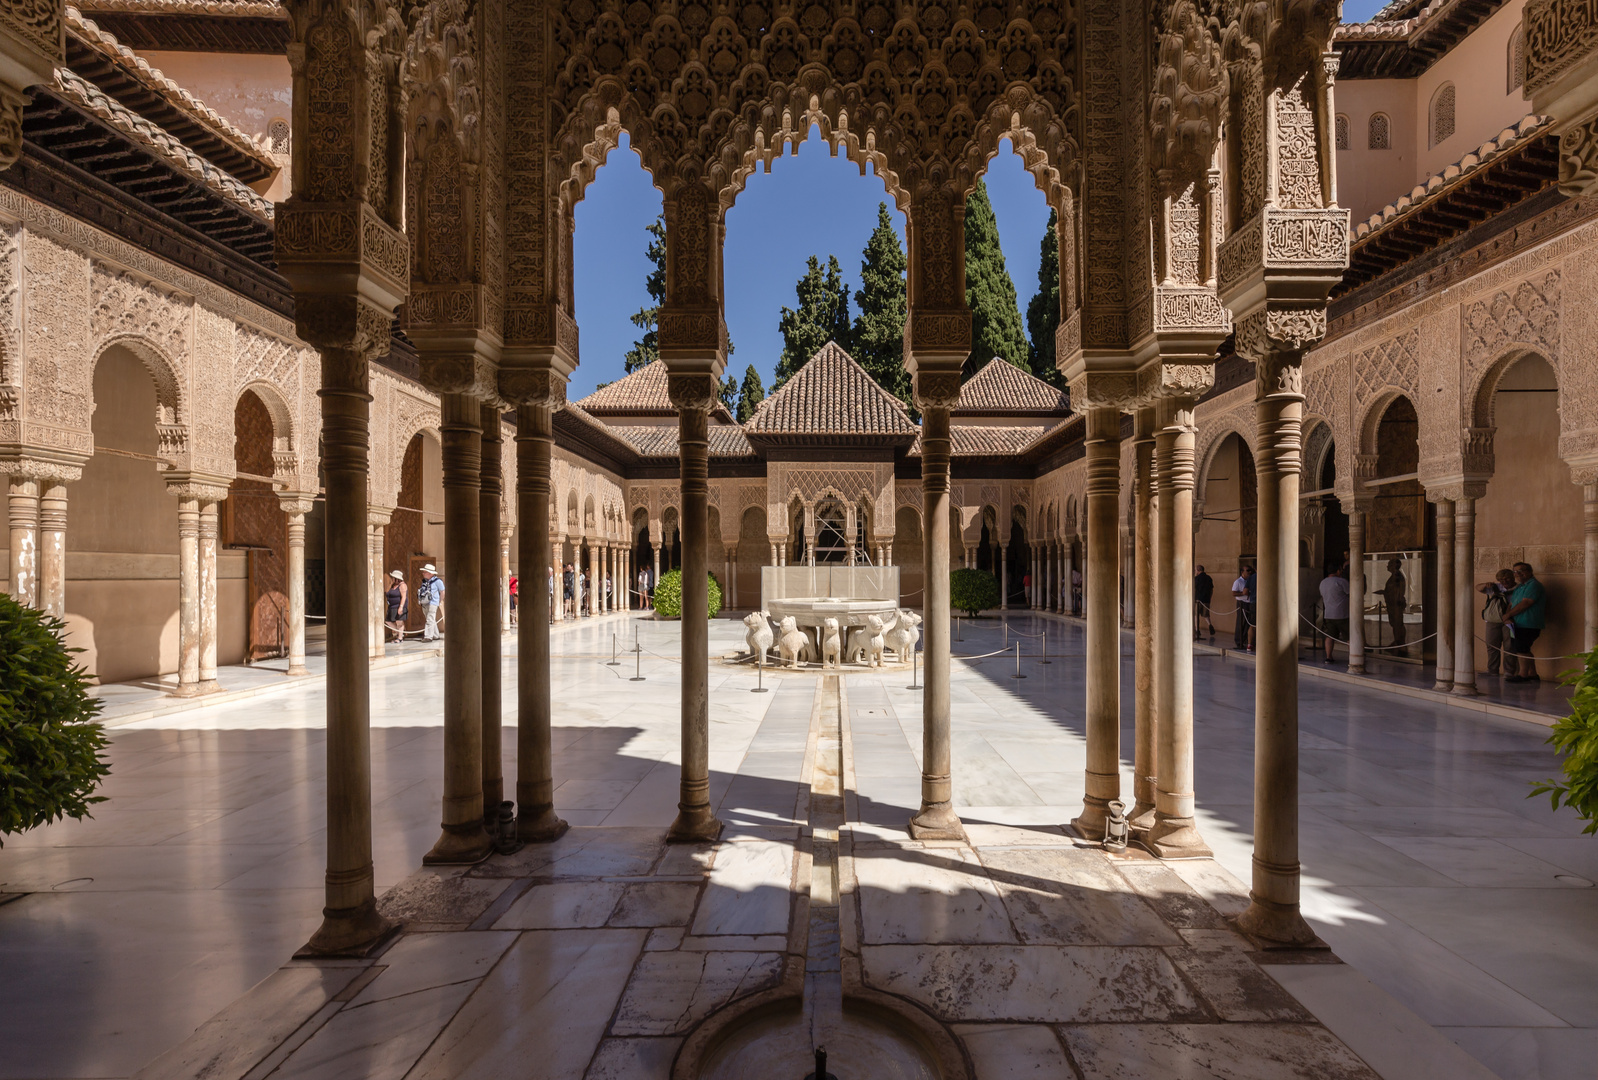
806 404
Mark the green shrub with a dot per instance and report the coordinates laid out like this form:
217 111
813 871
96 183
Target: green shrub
668 595
1576 737
50 743
973 590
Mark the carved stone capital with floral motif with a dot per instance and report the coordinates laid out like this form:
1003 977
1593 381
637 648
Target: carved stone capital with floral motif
532 386
936 389
1116 390
296 502
1160 379
464 362
51 467
692 391
1279 330
194 486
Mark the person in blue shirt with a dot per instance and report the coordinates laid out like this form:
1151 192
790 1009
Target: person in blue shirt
430 594
1524 621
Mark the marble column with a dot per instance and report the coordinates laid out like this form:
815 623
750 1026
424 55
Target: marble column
207 552
53 546
1465 593
506 531
462 838
1356 589
1445 596
23 506
536 821
1142 585
654 580
377 519
1001 553
189 592
1273 911
731 557
557 561
295 508
1101 586
494 558
936 820
694 395
1175 833
1589 530
596 579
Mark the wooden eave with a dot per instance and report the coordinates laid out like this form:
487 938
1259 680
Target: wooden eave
193 31
1409 56
1495 187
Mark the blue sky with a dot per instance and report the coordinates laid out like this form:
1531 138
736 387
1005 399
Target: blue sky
809 204
1361 10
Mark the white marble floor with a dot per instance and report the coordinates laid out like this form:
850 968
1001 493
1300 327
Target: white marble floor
1425 868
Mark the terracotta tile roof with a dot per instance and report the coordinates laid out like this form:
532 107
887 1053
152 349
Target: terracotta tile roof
660 440
831 395
1001 387
641 393
976 440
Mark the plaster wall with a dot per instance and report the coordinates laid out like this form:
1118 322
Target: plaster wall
1367 179
250 90
1484 104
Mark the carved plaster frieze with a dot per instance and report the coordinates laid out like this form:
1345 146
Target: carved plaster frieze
1105 390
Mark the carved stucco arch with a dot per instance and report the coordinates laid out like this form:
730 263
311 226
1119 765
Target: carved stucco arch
1369 420
1479 398
172 402
408 425
285 434
1209 442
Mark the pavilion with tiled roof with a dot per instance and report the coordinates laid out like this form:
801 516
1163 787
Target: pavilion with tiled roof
833 401
1002 389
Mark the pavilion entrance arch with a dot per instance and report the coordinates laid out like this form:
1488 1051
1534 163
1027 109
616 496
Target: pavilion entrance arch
1399 552
253 522
414 536
752 553
907 555
1226 536
1530 511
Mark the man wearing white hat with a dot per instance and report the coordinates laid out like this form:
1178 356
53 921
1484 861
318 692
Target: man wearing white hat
430 594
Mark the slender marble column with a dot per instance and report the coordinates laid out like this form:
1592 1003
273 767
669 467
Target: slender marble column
1273 911
694 396
23 506
654 581
462 838
1445 596
1001 552
189 593
1465 595
536 821
1175 833
1356 591
1589 530
596 579
350 918
377 520
936 820
296 508
1142 582
506 531
558 563
1101 585
53 547
494 616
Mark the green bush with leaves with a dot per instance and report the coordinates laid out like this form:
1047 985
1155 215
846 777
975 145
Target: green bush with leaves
972 590
1576 737
668 595
50 742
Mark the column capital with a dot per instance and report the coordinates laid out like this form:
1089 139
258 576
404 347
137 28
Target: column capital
204 489
692 391
935 388
459 362
540 387
378 516
296 502
54 468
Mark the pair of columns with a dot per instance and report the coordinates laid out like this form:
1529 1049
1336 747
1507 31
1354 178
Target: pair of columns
197 623
37 505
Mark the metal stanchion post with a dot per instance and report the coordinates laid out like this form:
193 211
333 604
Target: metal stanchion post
912 685
638 659
613 662
1045 659
760 687
1018 674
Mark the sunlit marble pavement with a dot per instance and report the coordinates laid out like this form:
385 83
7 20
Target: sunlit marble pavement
1426 870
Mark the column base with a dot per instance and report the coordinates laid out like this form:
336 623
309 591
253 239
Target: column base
1464 690
1176 838
1091 822
297 670
936 821
694 825
460 845
1269 925
349 932
1356 669
197 689
1443 686
540 825
1142 818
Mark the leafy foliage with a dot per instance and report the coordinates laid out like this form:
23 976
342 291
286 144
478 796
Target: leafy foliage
646 350
50 742
972 590
1576 737
750 395
823 316
668 595
879 328
729 393
989 292
1043 312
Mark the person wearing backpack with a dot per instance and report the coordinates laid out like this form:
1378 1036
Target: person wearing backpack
1493 613
430 594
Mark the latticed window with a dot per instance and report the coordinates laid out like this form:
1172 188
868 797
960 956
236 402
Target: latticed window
1517 59
1442 113
277 133
1342 132
1380 132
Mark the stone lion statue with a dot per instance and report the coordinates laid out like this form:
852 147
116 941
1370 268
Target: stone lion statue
757 635
874 641
794 644
859 650
904 635
831 644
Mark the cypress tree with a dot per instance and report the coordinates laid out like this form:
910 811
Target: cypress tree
879 328
729 393
823 316
750 395
989 292
646 350
1043 312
